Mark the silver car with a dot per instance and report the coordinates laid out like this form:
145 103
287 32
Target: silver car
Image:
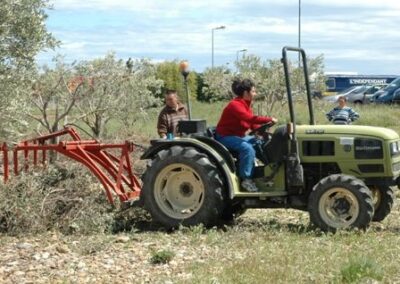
362 95
334 98
356 94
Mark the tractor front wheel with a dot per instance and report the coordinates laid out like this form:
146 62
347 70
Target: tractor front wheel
183 186
340 202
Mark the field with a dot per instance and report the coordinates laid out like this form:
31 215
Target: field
58 228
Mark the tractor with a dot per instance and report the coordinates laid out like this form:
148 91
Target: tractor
343 175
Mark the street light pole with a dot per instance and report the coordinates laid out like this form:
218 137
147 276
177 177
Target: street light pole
237 57
212 43
237 53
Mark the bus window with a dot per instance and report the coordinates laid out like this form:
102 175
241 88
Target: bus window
330 84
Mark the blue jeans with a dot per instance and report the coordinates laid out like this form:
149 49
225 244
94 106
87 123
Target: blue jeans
244 146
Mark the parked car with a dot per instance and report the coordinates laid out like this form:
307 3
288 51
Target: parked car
396 97
387 95
357 94
362 95
334 98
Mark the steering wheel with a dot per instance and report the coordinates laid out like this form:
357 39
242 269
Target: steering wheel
262 129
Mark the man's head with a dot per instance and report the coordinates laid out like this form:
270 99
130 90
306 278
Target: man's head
342 101
171 98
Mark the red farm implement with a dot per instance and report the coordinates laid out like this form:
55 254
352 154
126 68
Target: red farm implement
110 163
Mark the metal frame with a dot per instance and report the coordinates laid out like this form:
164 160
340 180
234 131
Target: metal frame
289 89
113 171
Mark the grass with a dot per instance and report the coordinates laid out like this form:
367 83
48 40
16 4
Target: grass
265 253
372 115
359 269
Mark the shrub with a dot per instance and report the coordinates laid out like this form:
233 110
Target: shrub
65 198
362 268
161 257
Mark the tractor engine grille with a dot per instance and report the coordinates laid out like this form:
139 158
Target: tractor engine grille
374 168
368 149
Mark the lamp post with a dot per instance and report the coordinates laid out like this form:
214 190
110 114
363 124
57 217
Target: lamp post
237 58
239 51
212 43
184 68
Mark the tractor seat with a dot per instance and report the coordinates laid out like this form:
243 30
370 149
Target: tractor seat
211 133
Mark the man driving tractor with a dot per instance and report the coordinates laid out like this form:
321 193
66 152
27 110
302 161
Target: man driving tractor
237 118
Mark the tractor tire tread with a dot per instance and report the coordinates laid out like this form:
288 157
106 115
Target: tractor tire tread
356 186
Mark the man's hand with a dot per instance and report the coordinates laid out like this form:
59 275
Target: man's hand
274 120
163 136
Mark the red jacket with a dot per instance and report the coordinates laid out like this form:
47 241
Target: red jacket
238 117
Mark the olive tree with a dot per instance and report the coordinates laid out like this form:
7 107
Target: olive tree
23 34
216 84
15 88
116 91
170 74
268 76
54 93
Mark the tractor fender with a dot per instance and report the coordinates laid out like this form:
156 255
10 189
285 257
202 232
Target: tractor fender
216 151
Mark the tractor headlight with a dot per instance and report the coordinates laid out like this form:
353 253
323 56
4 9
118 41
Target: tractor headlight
395 148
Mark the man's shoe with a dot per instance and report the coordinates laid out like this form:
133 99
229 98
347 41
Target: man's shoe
249 185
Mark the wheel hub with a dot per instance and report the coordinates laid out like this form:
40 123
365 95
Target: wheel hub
179 191
341 206
186 189
338 207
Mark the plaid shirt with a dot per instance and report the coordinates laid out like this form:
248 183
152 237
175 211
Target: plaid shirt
168 119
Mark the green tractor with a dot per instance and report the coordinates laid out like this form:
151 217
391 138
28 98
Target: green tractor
341 174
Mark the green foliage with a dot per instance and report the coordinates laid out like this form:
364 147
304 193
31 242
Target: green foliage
23 32
169 73
15 88
216 84
268 77
161 257
361 268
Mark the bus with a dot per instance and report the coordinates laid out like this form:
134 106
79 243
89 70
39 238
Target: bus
336 83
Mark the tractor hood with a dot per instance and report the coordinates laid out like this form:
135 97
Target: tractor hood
379 132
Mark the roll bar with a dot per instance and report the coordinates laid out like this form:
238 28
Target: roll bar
288 88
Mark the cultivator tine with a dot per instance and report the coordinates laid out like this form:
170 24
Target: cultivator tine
35 157
6 170
15 157
26 165
44 157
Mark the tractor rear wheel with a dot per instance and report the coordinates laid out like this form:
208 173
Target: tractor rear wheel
183 186
383 199
340 202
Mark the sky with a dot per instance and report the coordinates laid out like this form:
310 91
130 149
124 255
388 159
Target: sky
357 36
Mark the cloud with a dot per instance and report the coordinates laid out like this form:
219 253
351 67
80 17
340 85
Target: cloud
344 31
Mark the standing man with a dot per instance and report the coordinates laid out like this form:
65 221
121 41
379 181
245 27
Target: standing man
342 114
169 116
